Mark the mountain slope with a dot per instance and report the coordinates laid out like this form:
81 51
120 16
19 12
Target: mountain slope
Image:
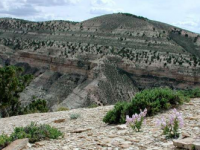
101 60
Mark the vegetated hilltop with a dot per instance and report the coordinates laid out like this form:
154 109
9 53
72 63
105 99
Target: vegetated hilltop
100 60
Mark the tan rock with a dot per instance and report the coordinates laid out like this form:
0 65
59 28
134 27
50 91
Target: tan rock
59 121
185 135
81 130
17 145
194 118
188 143
38 144
121 127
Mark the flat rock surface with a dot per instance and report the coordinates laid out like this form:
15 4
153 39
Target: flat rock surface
90 132
17 145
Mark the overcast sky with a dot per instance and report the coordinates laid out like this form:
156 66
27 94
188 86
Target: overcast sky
181 13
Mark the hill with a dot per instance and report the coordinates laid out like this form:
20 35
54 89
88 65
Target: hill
101 60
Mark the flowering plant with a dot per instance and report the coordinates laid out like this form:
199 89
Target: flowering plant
136 121
171 126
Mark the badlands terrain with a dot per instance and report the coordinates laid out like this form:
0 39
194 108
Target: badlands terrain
101 60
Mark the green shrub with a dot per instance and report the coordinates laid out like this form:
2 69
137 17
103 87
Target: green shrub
155 100
4 141
192 93
117 114
62 109
93 105
36 106
36 132
74 116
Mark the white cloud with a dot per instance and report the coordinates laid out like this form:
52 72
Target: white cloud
102 2
100 11
182 13
47 3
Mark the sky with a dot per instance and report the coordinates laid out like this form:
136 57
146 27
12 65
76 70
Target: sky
181 13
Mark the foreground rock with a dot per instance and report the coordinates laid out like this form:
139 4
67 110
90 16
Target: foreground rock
89 132
17 145
188 143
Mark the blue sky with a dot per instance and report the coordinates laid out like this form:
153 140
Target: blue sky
181 13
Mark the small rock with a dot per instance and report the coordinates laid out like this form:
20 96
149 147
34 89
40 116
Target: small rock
39 144
59 121
17 145
81 130
122 127
185 135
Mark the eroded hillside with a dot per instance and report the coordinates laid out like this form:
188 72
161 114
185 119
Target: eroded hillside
101 60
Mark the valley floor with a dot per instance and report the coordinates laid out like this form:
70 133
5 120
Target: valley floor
89 132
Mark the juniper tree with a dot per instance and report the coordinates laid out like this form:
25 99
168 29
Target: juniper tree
12 83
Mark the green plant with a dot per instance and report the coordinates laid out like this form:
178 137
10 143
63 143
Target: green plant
36 106
171 125
36 132
136 121
191 93
155 100
12 82
4 141
93 105
62 109
74 116
117 115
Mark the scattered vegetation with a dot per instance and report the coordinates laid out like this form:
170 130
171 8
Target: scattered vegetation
33 132
62 109
131 15
93 105
36 106
74 116
191 93
155 100
4 141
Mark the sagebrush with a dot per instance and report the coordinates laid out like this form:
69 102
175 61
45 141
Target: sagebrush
154 100
33 132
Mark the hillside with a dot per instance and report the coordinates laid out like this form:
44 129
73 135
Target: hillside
101 60
89 131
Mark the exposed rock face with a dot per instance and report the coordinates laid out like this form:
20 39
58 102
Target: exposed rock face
102 60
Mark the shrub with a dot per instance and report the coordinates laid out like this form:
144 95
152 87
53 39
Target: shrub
62 109
93 105
74 116
171 125
117 115
36 132
36 106
4 141
192 93
155 100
